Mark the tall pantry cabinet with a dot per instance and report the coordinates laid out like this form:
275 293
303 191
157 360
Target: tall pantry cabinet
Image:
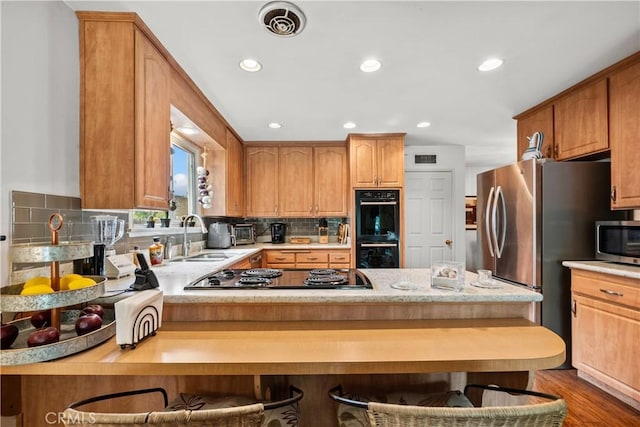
124 114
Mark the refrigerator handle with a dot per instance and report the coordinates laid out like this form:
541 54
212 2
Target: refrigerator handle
487 223
494 223
503 222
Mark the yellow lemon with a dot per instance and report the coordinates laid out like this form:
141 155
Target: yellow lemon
37 290
39 280
66 279
81 283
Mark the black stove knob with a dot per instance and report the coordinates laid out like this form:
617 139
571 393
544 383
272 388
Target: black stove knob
226 273
214 281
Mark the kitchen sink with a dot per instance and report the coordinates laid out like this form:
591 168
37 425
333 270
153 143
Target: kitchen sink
206 257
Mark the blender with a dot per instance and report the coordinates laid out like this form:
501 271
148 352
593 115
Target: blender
107 230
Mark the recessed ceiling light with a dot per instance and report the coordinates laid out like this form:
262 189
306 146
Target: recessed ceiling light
349 125
423 124
275 125
490 64
370 65
250 65
187 130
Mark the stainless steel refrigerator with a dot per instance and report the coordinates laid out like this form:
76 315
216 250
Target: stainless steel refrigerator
532 215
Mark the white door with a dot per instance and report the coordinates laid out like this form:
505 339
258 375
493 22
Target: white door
429 218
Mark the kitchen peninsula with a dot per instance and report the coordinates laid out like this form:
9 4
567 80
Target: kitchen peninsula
248 341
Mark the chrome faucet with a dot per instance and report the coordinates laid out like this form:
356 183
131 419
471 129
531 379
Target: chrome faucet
187 245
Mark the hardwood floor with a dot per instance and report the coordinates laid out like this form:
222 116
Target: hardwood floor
588 406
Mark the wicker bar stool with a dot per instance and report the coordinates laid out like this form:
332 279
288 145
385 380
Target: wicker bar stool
551 412
247 415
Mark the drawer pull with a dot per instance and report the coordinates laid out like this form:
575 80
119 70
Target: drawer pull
312 258
340 257
280 258
612 293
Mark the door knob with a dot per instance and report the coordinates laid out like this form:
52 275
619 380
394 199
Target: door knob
448 242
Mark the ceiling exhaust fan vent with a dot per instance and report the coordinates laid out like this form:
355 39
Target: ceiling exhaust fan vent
282 18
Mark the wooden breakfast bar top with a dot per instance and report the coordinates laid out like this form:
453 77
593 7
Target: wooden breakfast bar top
320 348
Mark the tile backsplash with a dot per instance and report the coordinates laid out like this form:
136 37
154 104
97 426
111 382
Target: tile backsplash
295 227
31 213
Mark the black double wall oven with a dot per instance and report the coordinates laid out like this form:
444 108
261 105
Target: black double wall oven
377 228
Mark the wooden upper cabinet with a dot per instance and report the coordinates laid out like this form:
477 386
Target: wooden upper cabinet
305 181
124 116
580 122
331 181
390 159
377 160
262 181
624 133
296 182
152 140
234 176
537 121
363 162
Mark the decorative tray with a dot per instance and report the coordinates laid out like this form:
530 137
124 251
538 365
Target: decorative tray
12 301
70 343
28 252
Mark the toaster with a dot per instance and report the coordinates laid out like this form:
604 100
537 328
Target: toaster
245 234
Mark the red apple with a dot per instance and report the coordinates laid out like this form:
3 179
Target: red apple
40 319
43 336
88 323
8 334
93 309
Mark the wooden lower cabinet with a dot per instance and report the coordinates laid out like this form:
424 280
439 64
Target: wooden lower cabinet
242 265
308 258
606 332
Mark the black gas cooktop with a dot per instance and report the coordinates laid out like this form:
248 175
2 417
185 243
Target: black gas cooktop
269 278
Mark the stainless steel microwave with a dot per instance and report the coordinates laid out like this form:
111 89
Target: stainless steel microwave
618 241
245 234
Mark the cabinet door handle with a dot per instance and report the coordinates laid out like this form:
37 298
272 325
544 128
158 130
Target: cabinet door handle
555 150
574 307
612 293
613 193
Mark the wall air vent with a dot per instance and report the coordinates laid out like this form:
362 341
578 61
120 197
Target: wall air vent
430 159
282 18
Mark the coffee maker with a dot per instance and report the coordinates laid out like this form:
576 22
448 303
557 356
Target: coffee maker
278 230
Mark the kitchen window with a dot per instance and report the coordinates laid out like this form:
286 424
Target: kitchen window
183 176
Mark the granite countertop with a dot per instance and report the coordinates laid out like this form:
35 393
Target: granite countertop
173 276
624 270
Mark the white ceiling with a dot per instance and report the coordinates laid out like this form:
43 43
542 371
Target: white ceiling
311 83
